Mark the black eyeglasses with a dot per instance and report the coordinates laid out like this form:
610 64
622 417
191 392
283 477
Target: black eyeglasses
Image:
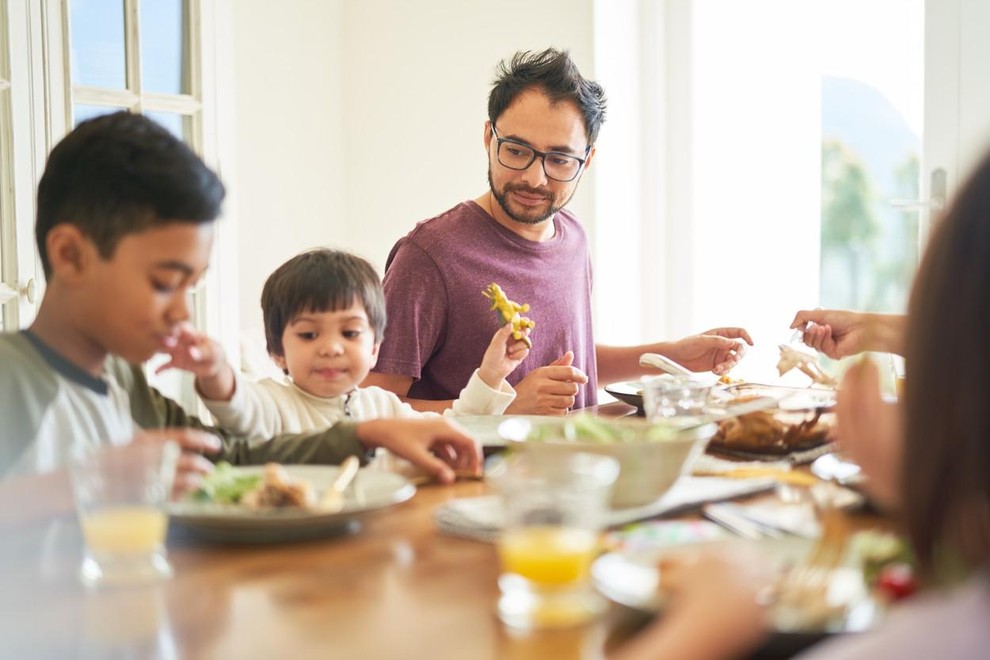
519 156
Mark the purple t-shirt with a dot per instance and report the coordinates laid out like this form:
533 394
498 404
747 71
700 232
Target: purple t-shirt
439 323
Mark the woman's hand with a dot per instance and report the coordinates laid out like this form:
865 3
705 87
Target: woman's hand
869 430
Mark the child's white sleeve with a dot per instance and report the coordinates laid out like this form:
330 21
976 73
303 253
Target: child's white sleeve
255 410
477 398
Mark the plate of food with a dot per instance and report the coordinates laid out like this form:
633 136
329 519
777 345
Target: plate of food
278 503
845 606
797 435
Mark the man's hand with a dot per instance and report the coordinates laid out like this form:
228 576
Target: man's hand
717 350
191 466
196 353
503 355
549 390
434 444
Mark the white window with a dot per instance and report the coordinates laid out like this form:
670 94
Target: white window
722 115
25 129
69 61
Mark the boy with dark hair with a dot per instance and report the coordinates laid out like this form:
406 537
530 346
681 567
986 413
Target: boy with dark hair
124 230
324 314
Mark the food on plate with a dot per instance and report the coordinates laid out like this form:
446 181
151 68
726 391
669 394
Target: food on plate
769 432
273 489
887 563
807 364
225 485
509 312
896 582
726 379
278 490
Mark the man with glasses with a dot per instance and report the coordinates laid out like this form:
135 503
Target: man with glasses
543 119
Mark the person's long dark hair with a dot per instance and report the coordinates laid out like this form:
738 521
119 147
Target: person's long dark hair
945 479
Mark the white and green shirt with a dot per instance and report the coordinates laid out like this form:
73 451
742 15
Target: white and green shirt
51 410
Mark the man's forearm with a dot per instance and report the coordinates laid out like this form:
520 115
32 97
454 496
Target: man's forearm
619 363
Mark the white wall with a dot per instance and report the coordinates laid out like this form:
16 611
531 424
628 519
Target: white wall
357 119
288 178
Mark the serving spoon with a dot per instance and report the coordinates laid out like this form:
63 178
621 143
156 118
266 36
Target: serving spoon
667 365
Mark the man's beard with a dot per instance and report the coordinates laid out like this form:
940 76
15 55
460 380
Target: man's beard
535 216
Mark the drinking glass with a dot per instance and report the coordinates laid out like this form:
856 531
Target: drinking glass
897 374
674 396
554 507
121 495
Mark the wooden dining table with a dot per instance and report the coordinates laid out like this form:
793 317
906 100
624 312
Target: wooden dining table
393 588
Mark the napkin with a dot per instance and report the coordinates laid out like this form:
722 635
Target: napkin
480 518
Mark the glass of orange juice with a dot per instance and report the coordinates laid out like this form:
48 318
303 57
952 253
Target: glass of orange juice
554 508
121 495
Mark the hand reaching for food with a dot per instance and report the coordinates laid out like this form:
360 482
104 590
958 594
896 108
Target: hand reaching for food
509 312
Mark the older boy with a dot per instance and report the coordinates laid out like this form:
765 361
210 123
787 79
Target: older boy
124 231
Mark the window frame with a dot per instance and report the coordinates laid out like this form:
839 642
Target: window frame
36 111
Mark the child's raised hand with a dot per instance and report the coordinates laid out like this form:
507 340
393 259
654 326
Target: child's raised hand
502 356
191 350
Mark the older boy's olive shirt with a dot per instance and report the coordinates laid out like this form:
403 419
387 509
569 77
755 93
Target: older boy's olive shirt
50 411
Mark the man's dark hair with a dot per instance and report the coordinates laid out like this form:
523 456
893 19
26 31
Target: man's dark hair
557 76
120 174
320 280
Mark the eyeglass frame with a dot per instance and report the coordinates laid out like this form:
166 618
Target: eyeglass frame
542 155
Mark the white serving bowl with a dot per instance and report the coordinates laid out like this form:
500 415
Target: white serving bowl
651 456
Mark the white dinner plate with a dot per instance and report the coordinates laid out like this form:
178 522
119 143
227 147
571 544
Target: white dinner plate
633 582
370 491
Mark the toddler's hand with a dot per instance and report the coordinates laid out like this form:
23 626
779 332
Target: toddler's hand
193 351
503 355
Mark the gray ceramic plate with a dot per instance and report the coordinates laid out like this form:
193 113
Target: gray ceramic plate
370 491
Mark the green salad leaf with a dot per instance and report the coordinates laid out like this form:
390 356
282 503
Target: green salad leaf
225 485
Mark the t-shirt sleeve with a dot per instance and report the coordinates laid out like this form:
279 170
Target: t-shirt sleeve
477 398
332 445
416 302
253 410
